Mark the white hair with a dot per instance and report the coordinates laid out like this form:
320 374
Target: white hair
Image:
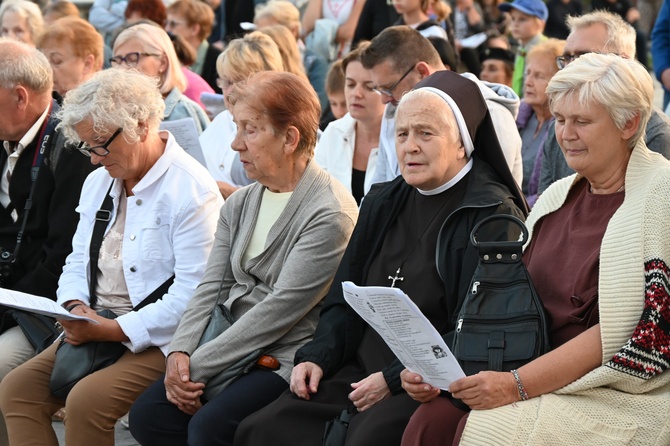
24 65
29 11
620 35
112 99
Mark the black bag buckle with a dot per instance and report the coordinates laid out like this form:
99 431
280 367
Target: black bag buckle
103 215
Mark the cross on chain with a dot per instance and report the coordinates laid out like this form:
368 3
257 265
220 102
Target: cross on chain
396 278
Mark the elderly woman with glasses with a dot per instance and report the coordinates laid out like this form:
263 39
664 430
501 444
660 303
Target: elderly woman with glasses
598 255
152 252
149 49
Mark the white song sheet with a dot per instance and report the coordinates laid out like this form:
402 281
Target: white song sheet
186 135
407 332
37 304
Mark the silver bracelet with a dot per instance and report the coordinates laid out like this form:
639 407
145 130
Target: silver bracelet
519 385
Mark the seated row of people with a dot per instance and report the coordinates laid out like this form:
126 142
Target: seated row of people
274 142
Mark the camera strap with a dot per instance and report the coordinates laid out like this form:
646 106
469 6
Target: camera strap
45 142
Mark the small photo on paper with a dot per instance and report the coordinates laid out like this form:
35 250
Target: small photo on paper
439 352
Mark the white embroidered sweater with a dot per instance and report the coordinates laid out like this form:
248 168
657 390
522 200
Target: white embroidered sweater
627 399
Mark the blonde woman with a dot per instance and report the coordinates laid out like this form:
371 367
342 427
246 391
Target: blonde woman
243 57
148 49
283 12
288 48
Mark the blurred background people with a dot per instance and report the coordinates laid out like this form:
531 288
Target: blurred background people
337 102
283 12
288 48
535 118
348 147
497 66
75 51
107 16
376 16
559 10
148 49
333 22
21 20
193 20
527 21
58 9
415 14
243 57
153 10
195 85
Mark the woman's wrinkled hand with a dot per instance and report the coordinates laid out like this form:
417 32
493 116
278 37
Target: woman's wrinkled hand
486 390
179 389
416 388
369 391
305 379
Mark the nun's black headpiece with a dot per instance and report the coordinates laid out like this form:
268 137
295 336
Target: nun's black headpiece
465 99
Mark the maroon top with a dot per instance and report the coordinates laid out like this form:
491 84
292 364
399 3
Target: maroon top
563 260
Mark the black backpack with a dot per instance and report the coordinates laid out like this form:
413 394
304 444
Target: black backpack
502 324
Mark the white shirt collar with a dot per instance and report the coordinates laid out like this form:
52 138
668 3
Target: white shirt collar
449 184
29 135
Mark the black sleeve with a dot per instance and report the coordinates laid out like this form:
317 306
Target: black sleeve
364 26
70 173
340 329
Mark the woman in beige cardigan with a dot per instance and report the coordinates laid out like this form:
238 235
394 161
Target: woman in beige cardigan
598 255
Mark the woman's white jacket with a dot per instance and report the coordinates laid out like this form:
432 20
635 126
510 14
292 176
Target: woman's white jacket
335 152
170 224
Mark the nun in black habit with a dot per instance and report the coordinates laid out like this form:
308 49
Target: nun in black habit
412 233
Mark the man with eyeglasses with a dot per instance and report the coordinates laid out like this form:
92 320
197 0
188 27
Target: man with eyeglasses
40 183
598 32
398 58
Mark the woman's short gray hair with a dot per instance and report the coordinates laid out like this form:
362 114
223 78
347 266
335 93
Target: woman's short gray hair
25 66
29 11
622 86
112 99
